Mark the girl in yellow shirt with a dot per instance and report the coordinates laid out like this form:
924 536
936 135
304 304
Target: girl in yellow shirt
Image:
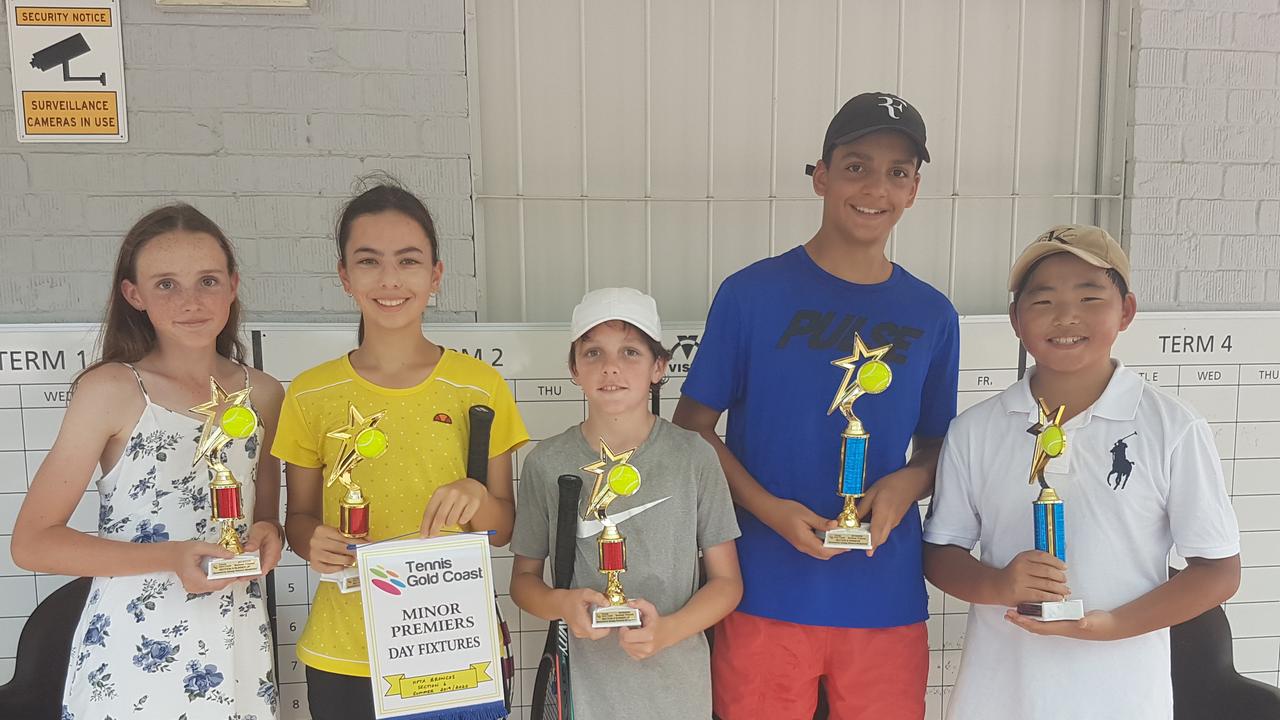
389 264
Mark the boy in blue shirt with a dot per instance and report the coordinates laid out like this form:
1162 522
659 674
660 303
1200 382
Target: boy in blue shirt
854 620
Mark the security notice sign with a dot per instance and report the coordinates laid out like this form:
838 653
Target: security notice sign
68 70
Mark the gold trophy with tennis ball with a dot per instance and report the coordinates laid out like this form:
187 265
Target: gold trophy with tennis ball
362 440
622 480
865 373
236 421
1047 512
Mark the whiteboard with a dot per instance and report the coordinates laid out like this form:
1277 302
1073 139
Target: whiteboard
1227 364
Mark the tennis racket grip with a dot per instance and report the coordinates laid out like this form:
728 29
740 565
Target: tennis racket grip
566 531
480 419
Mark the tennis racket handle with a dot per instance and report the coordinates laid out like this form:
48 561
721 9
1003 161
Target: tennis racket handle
566 530
480 418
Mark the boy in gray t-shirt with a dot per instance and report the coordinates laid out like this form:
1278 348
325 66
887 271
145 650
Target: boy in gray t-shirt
662 668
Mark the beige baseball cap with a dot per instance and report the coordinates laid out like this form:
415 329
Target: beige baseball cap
618 303
1091 244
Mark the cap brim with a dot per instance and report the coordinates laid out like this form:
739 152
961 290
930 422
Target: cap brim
919 142
574 335
1041 249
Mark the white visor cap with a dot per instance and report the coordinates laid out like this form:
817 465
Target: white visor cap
618 303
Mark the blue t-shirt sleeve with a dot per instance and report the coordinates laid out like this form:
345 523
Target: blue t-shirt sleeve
938 397
716 377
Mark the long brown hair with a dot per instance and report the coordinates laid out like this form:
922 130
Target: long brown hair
385 195
127 334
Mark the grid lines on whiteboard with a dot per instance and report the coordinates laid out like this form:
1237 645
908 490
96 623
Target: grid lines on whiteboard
1237 389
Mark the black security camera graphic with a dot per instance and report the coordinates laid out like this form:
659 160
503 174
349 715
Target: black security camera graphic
62 53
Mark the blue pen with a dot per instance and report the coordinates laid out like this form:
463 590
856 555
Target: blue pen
400 537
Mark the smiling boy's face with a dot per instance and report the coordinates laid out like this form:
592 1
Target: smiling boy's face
1069 314
615 367
867 185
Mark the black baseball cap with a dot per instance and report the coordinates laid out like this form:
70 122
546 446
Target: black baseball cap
869 112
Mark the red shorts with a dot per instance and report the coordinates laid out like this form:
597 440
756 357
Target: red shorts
762 668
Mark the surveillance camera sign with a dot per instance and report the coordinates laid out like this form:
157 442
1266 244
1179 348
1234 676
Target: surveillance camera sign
68 70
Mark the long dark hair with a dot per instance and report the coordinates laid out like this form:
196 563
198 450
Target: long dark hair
127 334
386 195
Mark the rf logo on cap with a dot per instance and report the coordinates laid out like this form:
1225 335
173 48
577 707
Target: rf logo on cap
892 105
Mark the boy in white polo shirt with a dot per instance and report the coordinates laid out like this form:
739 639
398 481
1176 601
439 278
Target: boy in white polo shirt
1140 475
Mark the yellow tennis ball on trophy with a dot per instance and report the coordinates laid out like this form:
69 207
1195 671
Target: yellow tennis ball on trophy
1053 441
239 422
370 443
624 479
874 376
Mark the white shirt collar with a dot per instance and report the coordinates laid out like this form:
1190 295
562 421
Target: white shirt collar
1119 401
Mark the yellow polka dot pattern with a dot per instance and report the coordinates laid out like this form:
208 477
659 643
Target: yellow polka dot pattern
426 428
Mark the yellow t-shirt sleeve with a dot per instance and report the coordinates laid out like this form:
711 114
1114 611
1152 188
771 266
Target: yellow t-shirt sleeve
508 431
295 443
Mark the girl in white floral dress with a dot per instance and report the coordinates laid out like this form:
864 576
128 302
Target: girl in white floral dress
157 639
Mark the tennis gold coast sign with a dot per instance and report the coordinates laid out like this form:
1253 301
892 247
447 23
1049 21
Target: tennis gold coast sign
431 629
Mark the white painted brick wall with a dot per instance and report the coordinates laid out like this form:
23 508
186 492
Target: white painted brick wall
1203 224
262 121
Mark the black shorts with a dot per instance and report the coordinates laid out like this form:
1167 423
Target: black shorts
339 697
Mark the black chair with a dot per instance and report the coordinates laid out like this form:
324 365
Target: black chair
1206 685
44 653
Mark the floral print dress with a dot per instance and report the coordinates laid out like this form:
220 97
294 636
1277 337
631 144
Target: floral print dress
145 647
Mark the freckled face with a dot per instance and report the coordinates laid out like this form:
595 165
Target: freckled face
184 287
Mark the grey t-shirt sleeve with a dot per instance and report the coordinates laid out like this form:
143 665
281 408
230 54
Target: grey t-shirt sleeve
717 521
531 536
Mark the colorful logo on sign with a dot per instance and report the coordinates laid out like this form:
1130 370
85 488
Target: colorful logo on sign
387 580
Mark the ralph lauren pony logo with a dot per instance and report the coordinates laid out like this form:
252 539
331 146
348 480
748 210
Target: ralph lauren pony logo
1121 466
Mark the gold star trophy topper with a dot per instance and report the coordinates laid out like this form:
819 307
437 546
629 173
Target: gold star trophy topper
1051 441
362 440
872 378
621 480
214 436
602 491
236 421
865 373
1047 510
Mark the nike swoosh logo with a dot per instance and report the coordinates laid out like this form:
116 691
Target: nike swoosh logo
591 528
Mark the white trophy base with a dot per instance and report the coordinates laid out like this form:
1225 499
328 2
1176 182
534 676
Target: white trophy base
612 616
246 564
858 538
347 579
1053 611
